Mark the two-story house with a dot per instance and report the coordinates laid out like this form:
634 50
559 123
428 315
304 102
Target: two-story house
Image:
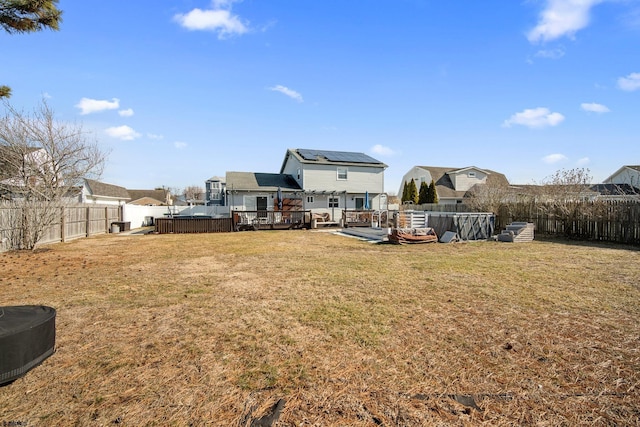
322 181
215 190
451 183
337 180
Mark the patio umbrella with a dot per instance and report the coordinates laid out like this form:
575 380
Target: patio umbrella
279 198
366 200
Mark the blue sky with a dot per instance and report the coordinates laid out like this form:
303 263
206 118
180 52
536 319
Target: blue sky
179 91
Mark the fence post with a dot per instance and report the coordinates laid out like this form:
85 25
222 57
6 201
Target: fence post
63 225
88 222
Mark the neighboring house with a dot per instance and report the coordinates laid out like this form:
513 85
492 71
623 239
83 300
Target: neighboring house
250 191
333 181
161 197
451 183
626 177
215 191
104 194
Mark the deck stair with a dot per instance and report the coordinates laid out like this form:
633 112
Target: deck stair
517 232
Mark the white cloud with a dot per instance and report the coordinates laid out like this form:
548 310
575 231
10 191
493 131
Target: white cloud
180 145
124 133
629 83
88 105
550 54
534 118
154 136
219 19
289 92
583 161
554 158
381 150
561 18
126 113
592 107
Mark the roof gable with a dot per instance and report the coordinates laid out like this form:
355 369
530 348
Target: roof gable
101 189
635 168
467 169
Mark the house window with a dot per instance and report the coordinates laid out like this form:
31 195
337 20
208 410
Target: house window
342 174
471 174
359 203
298 174
334 202
309 199
214 191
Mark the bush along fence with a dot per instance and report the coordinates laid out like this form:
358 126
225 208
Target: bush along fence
71 222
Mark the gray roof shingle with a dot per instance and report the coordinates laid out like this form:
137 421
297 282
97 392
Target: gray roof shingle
253 181
98 188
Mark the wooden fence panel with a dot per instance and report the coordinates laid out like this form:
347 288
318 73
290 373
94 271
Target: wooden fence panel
75 221
601 220
193 225
606 221
75 218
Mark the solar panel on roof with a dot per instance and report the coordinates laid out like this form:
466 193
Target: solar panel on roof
308 154
337 156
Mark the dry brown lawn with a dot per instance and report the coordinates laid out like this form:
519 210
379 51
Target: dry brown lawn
215 329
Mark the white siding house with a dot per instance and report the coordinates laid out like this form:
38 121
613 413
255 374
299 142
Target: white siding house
333 181
626 175
104 194
251 191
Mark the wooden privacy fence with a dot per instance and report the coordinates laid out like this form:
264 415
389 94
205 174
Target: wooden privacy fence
600 220
193 225
75 221
605 221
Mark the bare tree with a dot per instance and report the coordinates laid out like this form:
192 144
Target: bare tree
567 196
43 161
490 196
193 192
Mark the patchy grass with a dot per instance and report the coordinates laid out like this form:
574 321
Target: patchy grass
215 329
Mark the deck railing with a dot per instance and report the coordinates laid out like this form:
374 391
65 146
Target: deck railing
365 218
270 220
